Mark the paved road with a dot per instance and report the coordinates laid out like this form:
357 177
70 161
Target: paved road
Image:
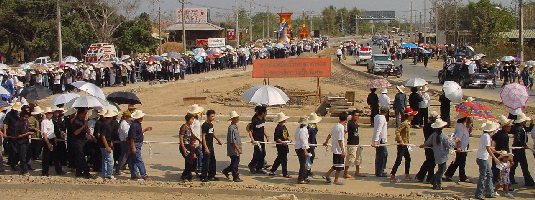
430 74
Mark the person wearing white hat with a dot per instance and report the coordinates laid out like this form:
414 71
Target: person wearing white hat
135 138
105 144
234 147
124 126
423 112
197 112
484 183
506 161
400 103
313 120
301 146
500 142
49 137
384 102
281 137
441 145
520 143
428 166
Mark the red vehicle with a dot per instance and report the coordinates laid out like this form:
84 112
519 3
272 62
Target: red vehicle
99 52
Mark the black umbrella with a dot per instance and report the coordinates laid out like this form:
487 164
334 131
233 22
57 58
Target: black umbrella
36 92
123 98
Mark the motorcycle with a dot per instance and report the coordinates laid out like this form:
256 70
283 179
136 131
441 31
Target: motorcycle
393 71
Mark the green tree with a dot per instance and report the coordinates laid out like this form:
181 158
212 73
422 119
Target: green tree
488 20
135 36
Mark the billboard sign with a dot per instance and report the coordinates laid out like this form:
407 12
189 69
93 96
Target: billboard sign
193 15
231 34
216 42
379 14
292 67
201 42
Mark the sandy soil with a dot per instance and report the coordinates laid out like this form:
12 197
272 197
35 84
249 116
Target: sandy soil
164 164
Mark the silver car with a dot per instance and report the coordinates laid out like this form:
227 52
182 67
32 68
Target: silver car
378 63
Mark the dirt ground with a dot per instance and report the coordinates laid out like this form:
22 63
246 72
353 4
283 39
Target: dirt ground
222 89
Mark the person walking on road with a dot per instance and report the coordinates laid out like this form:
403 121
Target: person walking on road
441 145
338 149
400 103
414 103
234 147
373 102
403 138
462 141
428 166
380 136
445 107
520 143
484 182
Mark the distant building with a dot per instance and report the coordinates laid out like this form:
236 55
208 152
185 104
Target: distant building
512 36
194 32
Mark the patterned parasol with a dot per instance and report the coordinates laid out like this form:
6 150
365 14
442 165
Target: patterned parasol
514 95
474 109
379 83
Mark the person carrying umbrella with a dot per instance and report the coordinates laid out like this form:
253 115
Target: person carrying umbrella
373 102
445 107
414 104
257 134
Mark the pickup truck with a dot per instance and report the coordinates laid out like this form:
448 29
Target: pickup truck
379 63
363 55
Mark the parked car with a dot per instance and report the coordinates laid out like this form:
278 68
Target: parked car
42 60
455 72
379 63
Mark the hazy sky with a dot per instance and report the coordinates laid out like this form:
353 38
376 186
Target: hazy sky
222 7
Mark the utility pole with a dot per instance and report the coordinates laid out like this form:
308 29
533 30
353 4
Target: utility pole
411 32
60 42
183 26
436 17
268 22
237 24
342 17
425 17
521 28
250 21
159 28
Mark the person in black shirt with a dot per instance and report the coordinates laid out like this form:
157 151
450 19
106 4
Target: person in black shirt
313 120
373 102
20 128
445 105
106 145
80 134
9 130
258 133
70 115
428 167
500 142
59 130
519 154
414 103
208 136
281 136
354 153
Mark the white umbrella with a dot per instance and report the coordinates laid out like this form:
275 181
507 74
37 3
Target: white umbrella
64 98
471 48
25 66
507 58
86 102
265 95
3 66
453 91
415 82
90 88
70 59
125 57
530 63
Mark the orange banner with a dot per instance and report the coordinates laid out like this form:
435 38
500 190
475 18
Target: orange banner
292 67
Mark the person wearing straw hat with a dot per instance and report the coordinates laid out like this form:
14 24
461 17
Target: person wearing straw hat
484 182
208 135
403 138
500 142
400 103
354 152
50 154
301 146
282 138
441 145
462 141
423 112
135 138
313 120
520 143
384 101
105 144
338 149
8 129
187 140
197 112
506 161
234 147
34 127
428 166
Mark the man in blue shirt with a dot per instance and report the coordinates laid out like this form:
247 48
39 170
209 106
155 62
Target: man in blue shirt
135 138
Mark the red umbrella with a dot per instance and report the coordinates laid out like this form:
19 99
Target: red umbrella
474 109
151 59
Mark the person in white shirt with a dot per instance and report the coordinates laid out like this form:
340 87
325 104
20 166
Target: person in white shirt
462 139
197 112
483 153
339 54
338 149
301 146
380 135
384 101
124 126
49 138
423 113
